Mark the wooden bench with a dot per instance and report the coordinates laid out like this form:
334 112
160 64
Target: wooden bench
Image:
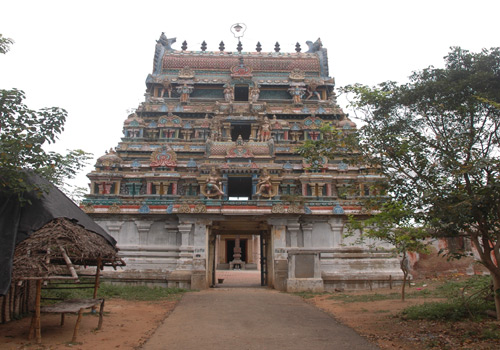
72 306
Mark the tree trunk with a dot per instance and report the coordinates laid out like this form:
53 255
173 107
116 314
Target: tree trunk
404 267
496 293
405 274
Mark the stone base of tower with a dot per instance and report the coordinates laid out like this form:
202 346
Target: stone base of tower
353 268
298 255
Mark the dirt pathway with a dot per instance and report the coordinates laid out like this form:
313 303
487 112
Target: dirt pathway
251 318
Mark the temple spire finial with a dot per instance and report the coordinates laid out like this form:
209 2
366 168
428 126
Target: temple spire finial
258 48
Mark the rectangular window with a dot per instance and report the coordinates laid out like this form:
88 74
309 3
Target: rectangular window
241 93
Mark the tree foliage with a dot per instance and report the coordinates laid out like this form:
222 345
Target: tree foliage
5 44
23 135
436 138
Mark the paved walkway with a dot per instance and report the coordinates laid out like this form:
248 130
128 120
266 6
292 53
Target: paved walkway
248 319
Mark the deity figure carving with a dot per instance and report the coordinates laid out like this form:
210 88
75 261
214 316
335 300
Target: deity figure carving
228 93
184 91
264 133
297 92
213 186
278 123
311 90
264 186
254 93
216 129
167 87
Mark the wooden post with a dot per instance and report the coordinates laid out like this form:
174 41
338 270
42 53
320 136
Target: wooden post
77 326
69 263
35 327
390 281
38 325
101 313
96 282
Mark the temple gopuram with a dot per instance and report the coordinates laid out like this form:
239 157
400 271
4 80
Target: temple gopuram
207 176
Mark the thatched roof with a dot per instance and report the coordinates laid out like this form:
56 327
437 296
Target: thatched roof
42 253
18 222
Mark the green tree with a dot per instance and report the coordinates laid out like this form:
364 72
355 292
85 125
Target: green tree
436 138
23 134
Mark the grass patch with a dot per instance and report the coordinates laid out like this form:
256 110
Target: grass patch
347 298
110 291
360 298
381 311
309 295
140 292
449 310
457 288
465 299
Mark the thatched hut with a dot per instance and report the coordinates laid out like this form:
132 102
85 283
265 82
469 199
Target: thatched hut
45 253
48 239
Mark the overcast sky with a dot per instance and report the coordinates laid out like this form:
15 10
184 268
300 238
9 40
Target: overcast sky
92 57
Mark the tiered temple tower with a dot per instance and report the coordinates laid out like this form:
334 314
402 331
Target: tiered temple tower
208 168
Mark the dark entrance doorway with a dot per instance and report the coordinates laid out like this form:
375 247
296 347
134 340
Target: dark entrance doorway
240 129
239 187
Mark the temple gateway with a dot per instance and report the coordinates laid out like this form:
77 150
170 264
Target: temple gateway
206 176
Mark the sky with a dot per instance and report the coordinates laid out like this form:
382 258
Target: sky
92 57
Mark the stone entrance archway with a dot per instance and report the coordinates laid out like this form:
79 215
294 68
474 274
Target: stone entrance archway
232 232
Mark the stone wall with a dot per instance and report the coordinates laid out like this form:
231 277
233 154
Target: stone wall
173 250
